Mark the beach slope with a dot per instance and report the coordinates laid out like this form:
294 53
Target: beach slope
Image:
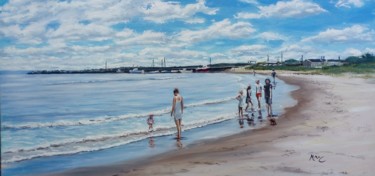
331 131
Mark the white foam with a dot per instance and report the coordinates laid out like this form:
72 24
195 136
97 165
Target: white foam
105 119
94 143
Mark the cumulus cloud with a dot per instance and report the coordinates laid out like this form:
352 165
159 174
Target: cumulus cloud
271 36
349 3
255 2
249 50
221 29
160 11
146 38
68 30
296 50
285 9
358 52
27 20
352 52
355 33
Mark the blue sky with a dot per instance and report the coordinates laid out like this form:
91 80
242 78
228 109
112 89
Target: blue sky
78 34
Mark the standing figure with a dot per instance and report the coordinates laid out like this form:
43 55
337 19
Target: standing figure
258 90
274 76
150 122
248 99
177 110
240 104
268 96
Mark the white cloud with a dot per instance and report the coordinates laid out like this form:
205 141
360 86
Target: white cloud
370 50
285 9
352 52
27 20
146 38
195 20
255 2
77 31
160 11
355 33
296 50
249 50
358 52
269 36
221 29
349 3
174 56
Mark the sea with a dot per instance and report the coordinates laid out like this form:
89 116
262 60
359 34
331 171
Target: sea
53 123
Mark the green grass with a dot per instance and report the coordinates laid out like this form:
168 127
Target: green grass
290 68
364 68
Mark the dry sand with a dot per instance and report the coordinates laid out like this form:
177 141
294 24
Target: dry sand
331 131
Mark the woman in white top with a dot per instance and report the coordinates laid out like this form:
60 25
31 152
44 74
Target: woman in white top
177 110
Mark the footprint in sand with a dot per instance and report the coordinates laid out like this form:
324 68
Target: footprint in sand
288 153
323 128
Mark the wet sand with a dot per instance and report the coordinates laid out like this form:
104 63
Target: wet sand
331 131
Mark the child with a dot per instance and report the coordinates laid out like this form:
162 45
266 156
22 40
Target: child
248 99
240 104
150 122
258 91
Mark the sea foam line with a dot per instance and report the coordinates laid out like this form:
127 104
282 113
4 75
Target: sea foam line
119 80
102 141
106 119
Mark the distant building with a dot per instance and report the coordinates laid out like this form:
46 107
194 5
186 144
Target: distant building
319 63
314 63
292 62
334 62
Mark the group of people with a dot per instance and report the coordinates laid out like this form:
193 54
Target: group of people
259 89
178 104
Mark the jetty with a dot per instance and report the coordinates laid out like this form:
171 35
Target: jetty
172 69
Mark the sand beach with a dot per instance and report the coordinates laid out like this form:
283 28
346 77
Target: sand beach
329 132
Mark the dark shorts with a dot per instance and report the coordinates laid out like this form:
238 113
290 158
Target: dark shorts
268 100
248 100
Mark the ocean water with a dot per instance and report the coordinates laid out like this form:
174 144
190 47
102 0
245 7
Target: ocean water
48 122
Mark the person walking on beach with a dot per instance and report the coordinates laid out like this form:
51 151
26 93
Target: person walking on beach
273 74
268 96
274 78
258 91
248 99
177 110
240 104
150 122
253 72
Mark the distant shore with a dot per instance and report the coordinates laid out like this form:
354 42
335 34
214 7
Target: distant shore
329 132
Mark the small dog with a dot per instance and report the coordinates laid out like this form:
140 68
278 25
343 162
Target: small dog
273 121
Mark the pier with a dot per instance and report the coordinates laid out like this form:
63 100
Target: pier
173 69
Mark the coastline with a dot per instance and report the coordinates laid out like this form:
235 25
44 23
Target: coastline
285 149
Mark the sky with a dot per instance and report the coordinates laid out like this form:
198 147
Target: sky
84 34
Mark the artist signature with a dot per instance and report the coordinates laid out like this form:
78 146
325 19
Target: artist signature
317 158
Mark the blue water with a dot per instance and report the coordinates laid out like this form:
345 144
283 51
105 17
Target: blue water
49 122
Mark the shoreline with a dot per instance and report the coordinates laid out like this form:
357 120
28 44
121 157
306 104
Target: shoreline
304 130
130 167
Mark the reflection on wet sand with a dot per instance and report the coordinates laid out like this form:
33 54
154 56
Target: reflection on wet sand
151 142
